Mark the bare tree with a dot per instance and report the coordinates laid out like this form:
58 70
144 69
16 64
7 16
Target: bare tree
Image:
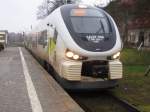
42 12
49 5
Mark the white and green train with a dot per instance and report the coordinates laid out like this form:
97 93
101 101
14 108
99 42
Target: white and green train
82 44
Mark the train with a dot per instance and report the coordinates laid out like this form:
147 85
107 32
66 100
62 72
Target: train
81 44
3 39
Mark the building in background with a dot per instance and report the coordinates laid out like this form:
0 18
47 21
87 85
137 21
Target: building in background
138 22
15 39
139 32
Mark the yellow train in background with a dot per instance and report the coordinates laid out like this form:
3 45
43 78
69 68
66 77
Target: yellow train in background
3 39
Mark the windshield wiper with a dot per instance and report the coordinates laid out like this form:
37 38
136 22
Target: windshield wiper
100 29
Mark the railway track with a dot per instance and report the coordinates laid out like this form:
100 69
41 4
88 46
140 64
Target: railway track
99 101
102 102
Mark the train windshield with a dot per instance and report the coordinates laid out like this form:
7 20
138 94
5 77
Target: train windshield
91 28
89 21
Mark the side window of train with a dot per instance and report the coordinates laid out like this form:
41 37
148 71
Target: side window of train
42 38
34 40
55 35
44 35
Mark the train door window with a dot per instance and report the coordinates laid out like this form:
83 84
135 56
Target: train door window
42 38
55 36
34 40
44 35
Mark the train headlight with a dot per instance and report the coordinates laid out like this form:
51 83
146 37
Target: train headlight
73 56
69 54
76 57
117 55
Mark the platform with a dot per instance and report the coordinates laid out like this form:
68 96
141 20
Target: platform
26 87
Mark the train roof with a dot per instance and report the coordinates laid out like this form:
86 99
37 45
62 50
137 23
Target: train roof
75 6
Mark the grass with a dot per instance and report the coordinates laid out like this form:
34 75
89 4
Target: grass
133 69
134 57
135 86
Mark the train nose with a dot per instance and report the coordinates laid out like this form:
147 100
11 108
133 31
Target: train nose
100 71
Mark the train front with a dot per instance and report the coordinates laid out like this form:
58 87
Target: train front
92 49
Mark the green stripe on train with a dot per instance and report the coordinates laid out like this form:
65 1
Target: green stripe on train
51 46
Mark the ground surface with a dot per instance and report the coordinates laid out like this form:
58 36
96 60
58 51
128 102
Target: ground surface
16 96
135 87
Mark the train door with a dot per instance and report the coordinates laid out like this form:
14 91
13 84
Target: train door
42 43
53 47
52 34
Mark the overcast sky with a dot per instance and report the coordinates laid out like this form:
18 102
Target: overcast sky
19 15
103 3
